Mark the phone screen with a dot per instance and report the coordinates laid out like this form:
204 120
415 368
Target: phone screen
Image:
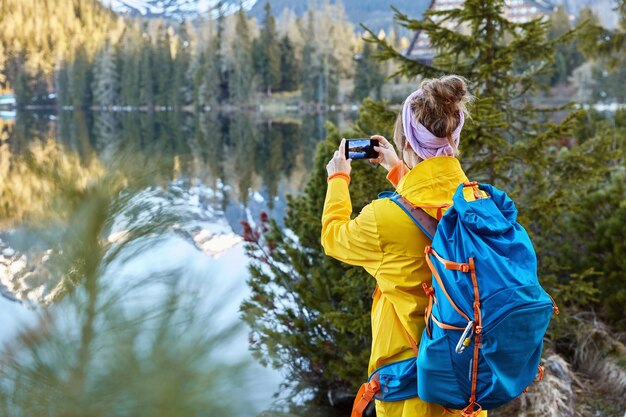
361 148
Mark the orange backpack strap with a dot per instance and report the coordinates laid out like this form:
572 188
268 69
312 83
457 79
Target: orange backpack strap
364 397
427 224
412 343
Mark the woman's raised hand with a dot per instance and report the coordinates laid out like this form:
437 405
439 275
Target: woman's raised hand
339 163
387 156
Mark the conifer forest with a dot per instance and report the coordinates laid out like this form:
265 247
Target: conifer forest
163 175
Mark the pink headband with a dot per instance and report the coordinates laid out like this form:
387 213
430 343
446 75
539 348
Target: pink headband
422 141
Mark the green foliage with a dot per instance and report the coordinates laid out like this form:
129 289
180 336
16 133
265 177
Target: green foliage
599 42
162 68
567 55
602 220
105 78
180 82
368 79
34 35
320 67
136 70
146 84
241 77
289 66
608 86
604 48
80 78
267 53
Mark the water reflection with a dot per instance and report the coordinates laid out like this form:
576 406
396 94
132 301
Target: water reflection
119 230
243 151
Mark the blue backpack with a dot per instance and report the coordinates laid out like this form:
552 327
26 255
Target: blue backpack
487 312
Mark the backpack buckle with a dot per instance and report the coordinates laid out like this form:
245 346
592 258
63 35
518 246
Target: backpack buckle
428 290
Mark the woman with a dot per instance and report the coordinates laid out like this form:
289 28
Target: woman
383 239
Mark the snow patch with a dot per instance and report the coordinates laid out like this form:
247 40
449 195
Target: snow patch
258 197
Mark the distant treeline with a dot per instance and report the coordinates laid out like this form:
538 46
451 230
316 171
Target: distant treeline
79 53
90 57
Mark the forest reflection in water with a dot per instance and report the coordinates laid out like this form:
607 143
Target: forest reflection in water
118 233
243 150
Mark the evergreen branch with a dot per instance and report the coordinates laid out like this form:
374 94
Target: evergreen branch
408 66
598 42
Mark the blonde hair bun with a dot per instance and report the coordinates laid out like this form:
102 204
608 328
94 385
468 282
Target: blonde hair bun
447 90
440 103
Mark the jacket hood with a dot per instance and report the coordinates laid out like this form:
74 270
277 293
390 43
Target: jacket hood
432 182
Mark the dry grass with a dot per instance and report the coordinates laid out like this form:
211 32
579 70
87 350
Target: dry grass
555 395
597 355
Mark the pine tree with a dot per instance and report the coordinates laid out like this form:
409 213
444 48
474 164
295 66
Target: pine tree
240 81
289 66
567 56
133 84
80 79
220 56
605 49
600 42
332 77
500 74
181 83
309 68
162 68
210 81
197 66
105 84
21 79
268 55
146 80
368 79
61 81
361 78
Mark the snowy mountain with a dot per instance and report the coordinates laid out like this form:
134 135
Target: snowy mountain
173 9
375 14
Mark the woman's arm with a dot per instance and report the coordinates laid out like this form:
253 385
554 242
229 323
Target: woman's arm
389 160
355 241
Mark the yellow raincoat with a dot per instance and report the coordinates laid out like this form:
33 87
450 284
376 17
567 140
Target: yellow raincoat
384 240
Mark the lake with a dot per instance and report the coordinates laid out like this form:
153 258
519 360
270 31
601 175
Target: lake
121 265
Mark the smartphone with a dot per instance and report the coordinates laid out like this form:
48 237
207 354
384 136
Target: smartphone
361 148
